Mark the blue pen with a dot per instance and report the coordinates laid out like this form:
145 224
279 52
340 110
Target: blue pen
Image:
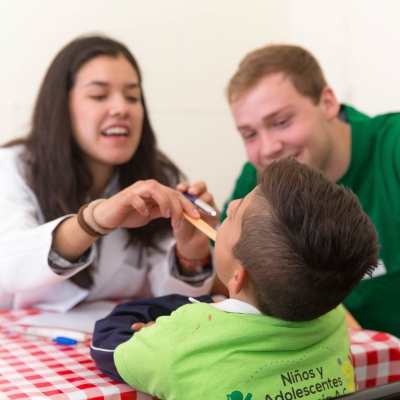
64 340
201 204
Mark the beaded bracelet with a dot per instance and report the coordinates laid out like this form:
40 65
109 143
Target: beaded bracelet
192 264
91 227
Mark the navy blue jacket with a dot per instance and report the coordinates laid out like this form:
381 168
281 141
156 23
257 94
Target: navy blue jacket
115 329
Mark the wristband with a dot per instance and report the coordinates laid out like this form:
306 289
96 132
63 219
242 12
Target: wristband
195 265
91 227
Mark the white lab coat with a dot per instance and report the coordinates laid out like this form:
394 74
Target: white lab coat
26 279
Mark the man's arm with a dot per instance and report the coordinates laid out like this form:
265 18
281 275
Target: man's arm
351 322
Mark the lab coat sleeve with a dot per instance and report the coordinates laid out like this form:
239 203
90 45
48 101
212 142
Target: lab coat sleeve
25 241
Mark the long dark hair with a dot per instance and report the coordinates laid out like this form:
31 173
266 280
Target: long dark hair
53 164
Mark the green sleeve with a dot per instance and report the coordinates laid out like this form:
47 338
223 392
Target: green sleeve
246 182
144 360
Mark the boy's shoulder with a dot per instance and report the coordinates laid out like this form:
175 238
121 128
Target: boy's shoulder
197 321
232 324
190 313
222 310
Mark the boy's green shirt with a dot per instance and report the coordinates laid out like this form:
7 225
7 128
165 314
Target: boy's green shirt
200 352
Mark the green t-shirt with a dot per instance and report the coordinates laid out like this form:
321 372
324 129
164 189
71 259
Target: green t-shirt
246 182
201 352
374 176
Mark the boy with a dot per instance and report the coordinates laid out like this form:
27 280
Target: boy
289 253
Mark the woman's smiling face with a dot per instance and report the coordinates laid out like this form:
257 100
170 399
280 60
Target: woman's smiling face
106 110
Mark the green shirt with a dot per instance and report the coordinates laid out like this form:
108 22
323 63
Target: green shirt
201 352
246 182
374 175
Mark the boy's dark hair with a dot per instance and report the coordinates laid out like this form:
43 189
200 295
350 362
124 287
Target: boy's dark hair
305 242
294 61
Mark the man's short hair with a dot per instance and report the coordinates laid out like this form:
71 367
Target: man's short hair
294 61
305 242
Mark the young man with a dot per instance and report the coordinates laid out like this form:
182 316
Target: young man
283 107
289 253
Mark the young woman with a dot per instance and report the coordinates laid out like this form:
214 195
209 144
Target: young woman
91 139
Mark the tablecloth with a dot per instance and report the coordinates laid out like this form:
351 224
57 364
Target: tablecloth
36 368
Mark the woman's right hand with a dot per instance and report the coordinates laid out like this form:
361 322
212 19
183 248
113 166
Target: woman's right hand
142 202
134 206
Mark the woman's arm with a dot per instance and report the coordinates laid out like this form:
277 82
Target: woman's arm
133 207
26 240
70 241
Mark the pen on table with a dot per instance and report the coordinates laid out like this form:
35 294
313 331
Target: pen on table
59 336
201 204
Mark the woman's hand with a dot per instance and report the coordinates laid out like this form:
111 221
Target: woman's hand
192 243
142 202
134 206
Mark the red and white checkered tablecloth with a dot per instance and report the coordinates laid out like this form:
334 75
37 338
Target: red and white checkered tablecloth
36 368
376 357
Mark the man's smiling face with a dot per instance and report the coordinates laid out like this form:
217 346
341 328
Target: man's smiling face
276 121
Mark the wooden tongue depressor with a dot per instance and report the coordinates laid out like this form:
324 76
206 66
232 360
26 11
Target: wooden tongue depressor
202 226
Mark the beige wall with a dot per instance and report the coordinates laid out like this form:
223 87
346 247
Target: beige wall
357 43
188 49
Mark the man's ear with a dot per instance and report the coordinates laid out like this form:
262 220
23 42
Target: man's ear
329 103
238 280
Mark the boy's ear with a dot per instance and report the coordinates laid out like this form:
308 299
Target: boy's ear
238 280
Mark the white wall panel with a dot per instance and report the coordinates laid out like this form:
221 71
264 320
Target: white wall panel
189 49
